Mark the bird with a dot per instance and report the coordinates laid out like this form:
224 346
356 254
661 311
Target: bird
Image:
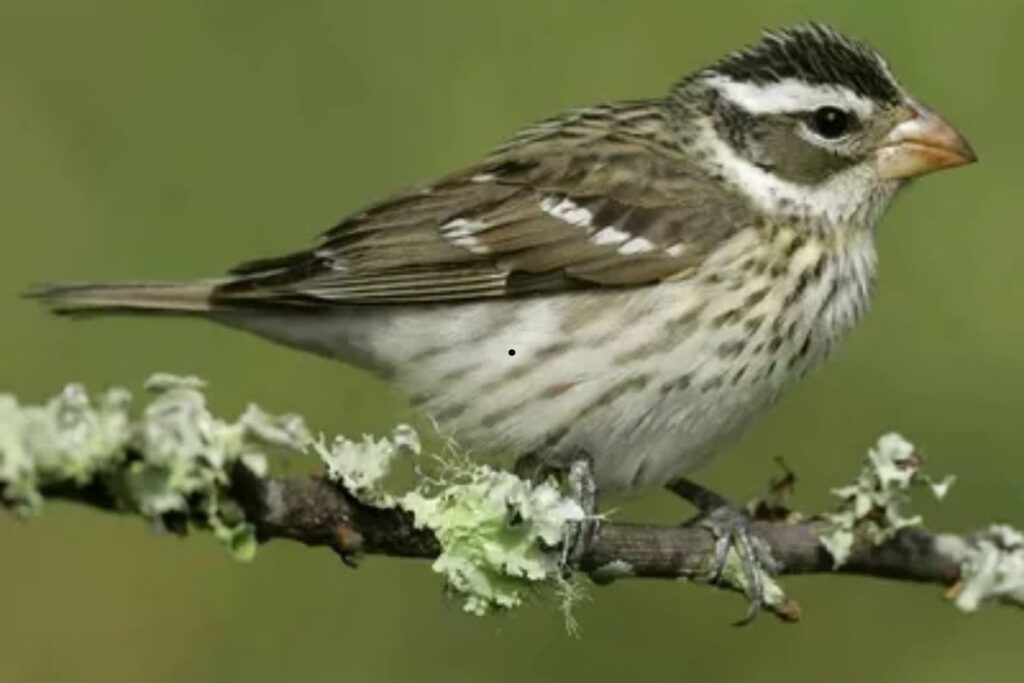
625 284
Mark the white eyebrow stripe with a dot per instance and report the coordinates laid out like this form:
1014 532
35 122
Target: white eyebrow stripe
789 95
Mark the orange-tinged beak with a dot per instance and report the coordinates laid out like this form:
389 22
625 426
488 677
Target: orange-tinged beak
920 144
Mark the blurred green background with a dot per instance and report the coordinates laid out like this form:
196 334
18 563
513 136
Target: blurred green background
175 138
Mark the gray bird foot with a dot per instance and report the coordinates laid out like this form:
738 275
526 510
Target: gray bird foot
580 534
579 480
741 559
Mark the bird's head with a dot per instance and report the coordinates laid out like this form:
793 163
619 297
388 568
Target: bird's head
812 123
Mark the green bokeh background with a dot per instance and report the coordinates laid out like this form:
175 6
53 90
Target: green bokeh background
175 138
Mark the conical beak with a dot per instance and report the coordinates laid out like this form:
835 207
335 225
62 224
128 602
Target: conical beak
920 144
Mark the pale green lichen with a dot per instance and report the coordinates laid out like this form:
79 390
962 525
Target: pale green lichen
875 505
69 439
498 533
173 459
991 566
362 467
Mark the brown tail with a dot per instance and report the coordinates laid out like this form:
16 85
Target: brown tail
85 299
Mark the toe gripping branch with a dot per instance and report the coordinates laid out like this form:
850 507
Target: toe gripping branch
583 489
741 560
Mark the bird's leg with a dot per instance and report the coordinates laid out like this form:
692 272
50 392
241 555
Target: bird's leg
579 479
583 489
731 529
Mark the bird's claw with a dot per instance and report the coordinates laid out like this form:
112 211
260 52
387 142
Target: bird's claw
579 479
741 560
580 534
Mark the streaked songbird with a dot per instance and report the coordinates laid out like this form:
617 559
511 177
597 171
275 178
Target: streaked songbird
624 285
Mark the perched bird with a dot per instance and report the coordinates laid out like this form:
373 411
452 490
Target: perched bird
630 282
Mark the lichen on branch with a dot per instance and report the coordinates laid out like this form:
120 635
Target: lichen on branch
171 464
492 536
875 506
175 463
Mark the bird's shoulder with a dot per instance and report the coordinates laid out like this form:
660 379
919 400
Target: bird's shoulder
608 195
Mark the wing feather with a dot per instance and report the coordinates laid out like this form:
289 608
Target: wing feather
588 200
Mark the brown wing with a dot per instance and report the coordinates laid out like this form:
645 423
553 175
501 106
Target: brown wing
598 197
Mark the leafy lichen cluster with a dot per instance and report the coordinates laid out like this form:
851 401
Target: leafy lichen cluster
174 460
69 439
875 505
499 534
362 467
991 566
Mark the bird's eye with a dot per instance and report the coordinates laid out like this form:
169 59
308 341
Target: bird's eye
831 122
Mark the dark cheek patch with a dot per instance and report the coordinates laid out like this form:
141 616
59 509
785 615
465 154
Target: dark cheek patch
773 144
795 159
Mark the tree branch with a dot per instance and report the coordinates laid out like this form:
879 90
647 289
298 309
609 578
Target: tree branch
317 512
495 535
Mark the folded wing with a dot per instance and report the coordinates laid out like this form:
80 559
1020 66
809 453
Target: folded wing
593 199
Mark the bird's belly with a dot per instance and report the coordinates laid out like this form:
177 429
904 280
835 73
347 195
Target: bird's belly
644 410
648 383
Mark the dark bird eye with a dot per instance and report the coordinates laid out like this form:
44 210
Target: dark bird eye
830 122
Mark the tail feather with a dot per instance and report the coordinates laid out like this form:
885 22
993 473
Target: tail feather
85 299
